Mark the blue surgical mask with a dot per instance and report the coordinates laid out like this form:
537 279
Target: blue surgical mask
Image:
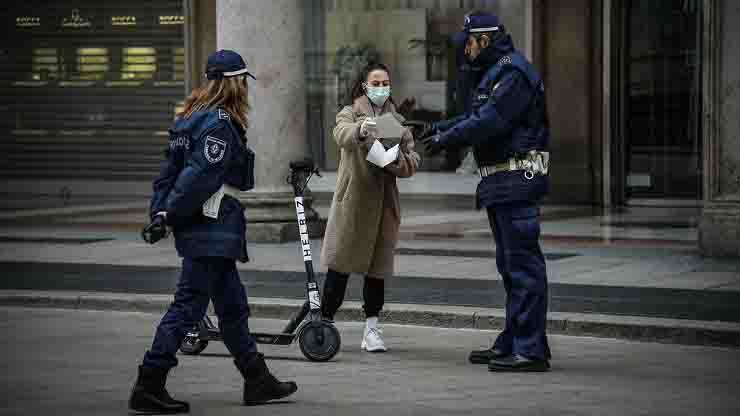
378 95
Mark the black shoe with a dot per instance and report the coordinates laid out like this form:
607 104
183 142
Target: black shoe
518 363
150 397
485 356
259 385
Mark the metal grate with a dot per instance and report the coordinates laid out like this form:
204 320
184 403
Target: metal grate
88 88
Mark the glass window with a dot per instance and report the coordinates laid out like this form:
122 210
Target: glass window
46 64
412 38
178 56
138 63
662 105
92 63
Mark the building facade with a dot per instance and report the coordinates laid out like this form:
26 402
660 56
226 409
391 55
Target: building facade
643 99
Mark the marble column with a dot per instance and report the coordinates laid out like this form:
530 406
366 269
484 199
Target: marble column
719 228
269 35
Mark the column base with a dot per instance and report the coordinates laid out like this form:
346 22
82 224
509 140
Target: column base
271 217
719 229
282 232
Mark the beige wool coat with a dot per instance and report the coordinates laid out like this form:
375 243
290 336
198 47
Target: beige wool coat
365 215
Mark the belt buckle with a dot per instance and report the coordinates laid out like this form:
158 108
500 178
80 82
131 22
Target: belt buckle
528 167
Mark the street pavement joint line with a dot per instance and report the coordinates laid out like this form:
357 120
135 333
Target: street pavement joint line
655 330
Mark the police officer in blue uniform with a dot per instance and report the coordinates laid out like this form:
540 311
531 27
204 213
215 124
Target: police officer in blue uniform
207 164
508 129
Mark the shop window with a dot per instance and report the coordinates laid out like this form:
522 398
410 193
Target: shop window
46 64
178 56
92 63
138 63
179 107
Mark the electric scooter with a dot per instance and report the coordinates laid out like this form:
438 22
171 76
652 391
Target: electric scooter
318 339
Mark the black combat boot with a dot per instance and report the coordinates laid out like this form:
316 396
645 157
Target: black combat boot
519 363
259 385
150 397
485 356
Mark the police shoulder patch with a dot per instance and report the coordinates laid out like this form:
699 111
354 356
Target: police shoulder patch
505 60
214 149
223 115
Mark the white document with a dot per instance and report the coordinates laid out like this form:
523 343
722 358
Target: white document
388 127
380 157
211 206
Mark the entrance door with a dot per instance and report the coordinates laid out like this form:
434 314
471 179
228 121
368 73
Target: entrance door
661 100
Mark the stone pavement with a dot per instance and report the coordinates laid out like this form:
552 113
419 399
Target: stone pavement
84 362
640 262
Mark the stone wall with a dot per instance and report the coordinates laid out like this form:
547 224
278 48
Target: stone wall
729 100
565 39
719 230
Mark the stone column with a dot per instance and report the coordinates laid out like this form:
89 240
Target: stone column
719 228
200 39
269 36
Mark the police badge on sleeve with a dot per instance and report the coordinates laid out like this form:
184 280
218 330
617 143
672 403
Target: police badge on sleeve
214 149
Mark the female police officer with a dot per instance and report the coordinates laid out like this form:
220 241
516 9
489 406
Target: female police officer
207 164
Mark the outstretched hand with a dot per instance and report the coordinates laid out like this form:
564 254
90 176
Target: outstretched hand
420 129
433 145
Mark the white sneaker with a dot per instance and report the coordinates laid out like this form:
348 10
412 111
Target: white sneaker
372 341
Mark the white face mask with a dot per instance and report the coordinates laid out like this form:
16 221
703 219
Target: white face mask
378 95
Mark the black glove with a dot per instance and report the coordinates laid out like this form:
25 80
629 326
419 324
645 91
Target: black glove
433 145
155 231
420 129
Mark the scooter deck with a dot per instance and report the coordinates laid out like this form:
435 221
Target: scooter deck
274 339
261 338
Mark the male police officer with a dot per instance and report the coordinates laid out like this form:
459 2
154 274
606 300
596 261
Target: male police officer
508 129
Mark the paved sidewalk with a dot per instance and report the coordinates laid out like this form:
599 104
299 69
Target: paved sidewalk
84 362
642 262
569 262
650 329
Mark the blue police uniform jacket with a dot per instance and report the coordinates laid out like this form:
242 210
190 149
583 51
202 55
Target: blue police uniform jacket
508 118
205 151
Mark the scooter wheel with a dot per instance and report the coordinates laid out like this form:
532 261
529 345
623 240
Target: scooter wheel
319 341
193 345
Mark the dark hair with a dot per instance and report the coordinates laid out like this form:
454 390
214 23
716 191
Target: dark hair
357 90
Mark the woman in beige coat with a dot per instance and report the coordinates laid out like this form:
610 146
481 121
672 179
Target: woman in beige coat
365 214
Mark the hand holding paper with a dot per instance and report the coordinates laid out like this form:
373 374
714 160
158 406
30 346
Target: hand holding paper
368 129
381 157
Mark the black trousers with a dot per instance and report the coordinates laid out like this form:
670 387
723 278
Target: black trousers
335 286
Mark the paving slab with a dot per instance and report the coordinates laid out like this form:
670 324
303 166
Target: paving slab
84 363
678 331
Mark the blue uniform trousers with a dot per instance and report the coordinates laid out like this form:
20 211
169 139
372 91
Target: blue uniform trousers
204 279
516 229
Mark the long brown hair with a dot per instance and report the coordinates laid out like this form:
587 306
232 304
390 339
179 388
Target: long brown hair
227 93
357 89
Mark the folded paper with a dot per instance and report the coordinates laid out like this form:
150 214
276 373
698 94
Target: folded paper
381 157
